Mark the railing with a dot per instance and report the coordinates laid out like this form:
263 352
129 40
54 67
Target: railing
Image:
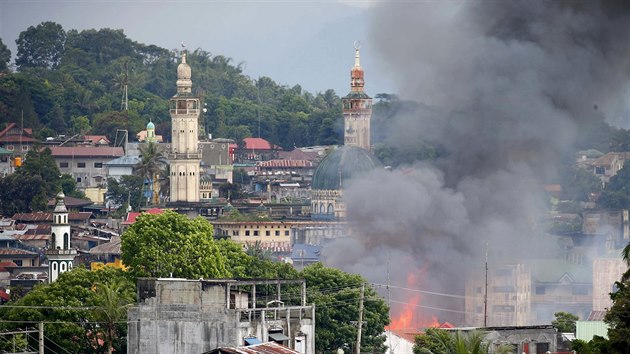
60 252
183 156
186 111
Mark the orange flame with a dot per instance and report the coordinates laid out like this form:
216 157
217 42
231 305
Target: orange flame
409 315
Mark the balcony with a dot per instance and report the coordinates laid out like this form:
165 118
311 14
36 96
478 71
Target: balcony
184 156
193 112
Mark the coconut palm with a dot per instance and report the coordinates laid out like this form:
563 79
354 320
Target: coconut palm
112 304
152 163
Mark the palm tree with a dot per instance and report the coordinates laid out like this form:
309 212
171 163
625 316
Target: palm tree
437 341
152 163
112 304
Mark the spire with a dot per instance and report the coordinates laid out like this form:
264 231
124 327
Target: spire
356 74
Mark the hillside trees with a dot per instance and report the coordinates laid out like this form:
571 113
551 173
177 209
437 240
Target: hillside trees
5 57
40 46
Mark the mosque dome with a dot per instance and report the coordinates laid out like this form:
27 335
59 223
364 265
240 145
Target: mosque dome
183 70
150 125
341 165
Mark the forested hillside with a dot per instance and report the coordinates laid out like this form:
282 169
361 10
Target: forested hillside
70 82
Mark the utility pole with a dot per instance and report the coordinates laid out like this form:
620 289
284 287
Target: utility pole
360 324
41 338
485 295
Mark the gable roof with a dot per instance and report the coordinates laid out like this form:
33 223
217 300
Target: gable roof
97 139
258 144
25 135
111 247
131 216
86 151
263 348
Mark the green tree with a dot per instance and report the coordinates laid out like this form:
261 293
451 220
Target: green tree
22 194
5 57
152 163
111 304
565 322
327 288
170 244
439 341
617 318
616 195
39 162
65 308
41 46
127 191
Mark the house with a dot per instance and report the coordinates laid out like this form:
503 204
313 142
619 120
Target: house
86 164
608 165
217 158
260 348
196 316
256 149
107 254
12 250
16 139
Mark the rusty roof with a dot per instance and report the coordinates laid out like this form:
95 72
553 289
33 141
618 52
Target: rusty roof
16 252
111 247
263 348
47 217
86 151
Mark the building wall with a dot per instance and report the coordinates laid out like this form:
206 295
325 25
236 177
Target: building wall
191 316
606 271
86 171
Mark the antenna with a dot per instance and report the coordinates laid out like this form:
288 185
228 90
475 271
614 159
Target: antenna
485 295
124 103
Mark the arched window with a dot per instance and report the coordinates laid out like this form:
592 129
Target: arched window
62 267
66 241
321 208
70 265
331 209
54 266
52 240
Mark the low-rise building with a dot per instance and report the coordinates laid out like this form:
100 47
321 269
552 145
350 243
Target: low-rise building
86 164
196 316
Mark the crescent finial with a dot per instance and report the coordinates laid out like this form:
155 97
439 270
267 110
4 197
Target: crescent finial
357 45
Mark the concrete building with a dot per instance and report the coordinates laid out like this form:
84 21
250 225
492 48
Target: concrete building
606 271
87 164
348 161
6 162
196 316
184 156
16 139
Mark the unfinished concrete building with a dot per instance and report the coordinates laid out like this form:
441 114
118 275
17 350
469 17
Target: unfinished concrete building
196 316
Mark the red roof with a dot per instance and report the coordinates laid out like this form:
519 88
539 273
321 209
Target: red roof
257 144
16 252
26 134
4 266
131 217
86 151
297 154
4 296
262 348
96 139
16 139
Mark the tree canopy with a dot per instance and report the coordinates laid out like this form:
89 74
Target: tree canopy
565 322
336 295
72 309
171 245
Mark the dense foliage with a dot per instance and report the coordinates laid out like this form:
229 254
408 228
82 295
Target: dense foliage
565 322
73 81
439 341
75 310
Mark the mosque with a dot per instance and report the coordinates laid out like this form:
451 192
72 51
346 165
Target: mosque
350 160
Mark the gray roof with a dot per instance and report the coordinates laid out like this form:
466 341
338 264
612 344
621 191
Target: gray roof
124 161
342 165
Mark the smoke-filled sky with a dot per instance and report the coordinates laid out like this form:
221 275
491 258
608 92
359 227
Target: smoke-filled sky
507 87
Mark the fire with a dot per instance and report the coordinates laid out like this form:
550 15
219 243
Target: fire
409 314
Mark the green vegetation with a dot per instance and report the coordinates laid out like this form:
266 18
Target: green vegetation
439 341
565 322
76 310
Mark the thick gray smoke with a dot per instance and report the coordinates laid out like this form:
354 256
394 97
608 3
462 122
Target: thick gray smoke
508 87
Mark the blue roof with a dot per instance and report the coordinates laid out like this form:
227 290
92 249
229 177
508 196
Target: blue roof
304 251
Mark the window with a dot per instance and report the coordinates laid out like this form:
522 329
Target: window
246 232
18 262
540 290
277 232
235 233
78 179
503 308
267 233
255 232
580 289
24 147
542 348
63 165
98 165
286 232
10 147
80 164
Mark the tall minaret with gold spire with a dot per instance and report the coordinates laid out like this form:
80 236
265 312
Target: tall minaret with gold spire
184 156
357 108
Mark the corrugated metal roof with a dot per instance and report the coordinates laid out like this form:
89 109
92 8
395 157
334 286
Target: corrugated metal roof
286 163
264 348
47 217
111 247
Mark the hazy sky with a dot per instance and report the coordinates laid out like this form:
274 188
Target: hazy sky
294 42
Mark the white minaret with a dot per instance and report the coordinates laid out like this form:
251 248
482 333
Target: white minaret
60 255
357 108
184 156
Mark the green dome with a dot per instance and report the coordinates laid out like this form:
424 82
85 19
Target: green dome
341 165
150 125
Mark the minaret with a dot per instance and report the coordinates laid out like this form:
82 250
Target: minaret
184 155
357 108
151 132
60 255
